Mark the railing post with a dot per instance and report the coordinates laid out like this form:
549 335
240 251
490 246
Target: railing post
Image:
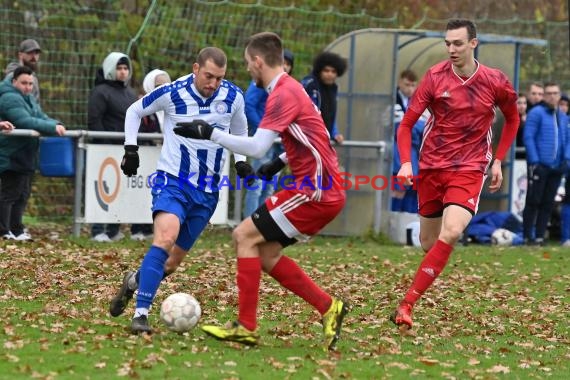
78 191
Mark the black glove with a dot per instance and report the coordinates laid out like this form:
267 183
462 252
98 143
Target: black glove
130 162
269 169
245 171
196 129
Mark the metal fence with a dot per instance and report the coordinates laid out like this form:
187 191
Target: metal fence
355 219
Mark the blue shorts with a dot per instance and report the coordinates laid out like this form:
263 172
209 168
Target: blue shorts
194 208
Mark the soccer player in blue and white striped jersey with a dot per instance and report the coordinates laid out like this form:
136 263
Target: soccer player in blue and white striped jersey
185 191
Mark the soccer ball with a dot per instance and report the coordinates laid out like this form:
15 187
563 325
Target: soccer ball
502 236
180 312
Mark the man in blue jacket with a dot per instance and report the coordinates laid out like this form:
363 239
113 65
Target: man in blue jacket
18 155
548 157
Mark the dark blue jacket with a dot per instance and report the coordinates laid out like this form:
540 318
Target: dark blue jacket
313 87
545 144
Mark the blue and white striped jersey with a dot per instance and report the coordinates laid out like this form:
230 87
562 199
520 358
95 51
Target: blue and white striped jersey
200 162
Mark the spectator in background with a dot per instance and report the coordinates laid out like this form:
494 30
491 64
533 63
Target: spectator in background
28 55
521 107
255 99
564 107
534 95
547 156
321 86
405 198
107 106
18 155
152 80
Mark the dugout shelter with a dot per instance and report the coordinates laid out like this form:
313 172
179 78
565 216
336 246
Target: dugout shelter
366 93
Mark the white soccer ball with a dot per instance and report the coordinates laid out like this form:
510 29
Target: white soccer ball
502 236
180 312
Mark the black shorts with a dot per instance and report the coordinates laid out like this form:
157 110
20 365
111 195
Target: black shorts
268 228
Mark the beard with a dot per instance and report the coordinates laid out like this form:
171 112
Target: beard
31 65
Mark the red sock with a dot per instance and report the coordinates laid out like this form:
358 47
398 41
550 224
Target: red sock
429 269
292 277
248 278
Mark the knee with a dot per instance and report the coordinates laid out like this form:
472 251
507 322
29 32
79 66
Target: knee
238 235
164 241
427 242
451 234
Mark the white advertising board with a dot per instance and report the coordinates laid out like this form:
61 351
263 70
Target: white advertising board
112 197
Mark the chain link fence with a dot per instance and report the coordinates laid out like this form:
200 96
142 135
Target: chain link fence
75 36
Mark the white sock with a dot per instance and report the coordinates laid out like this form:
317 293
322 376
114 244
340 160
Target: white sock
141 311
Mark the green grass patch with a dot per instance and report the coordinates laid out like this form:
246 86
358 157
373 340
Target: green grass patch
494 313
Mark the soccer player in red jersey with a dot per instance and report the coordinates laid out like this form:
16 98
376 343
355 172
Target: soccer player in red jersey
461 95
308 204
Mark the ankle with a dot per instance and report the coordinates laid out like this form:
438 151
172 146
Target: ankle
141 311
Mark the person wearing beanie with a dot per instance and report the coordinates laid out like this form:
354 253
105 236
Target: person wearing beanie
321 86
255 99
28 55
106 110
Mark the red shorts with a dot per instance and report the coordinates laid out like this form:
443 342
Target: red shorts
438 189
296 214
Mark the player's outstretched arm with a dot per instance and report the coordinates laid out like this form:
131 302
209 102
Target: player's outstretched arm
196 129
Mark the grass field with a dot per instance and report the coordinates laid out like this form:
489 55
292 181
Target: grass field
493 314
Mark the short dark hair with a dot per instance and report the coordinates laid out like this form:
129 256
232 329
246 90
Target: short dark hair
267 45
328 58
215 54
22 70
463 23
409 75
551 84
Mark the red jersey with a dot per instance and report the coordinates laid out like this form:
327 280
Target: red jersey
312 160
458 134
